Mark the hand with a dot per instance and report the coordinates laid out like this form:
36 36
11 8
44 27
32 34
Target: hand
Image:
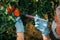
19 25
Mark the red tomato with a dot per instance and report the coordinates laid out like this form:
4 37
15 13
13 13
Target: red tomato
16 12
12 8
9 10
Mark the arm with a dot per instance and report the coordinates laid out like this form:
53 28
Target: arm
19 28
20 36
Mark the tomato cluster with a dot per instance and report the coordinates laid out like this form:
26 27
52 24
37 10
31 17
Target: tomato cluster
16 11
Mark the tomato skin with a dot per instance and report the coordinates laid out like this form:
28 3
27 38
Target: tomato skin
9 10
16 12
12 8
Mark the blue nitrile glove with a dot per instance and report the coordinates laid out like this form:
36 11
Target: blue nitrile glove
42 25
19 25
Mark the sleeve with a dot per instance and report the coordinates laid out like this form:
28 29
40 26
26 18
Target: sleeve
54 25
19 25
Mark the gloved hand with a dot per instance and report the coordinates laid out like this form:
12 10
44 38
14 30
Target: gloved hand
19 25
42 25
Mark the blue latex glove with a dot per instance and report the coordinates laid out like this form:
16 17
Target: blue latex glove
19 25
42 25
